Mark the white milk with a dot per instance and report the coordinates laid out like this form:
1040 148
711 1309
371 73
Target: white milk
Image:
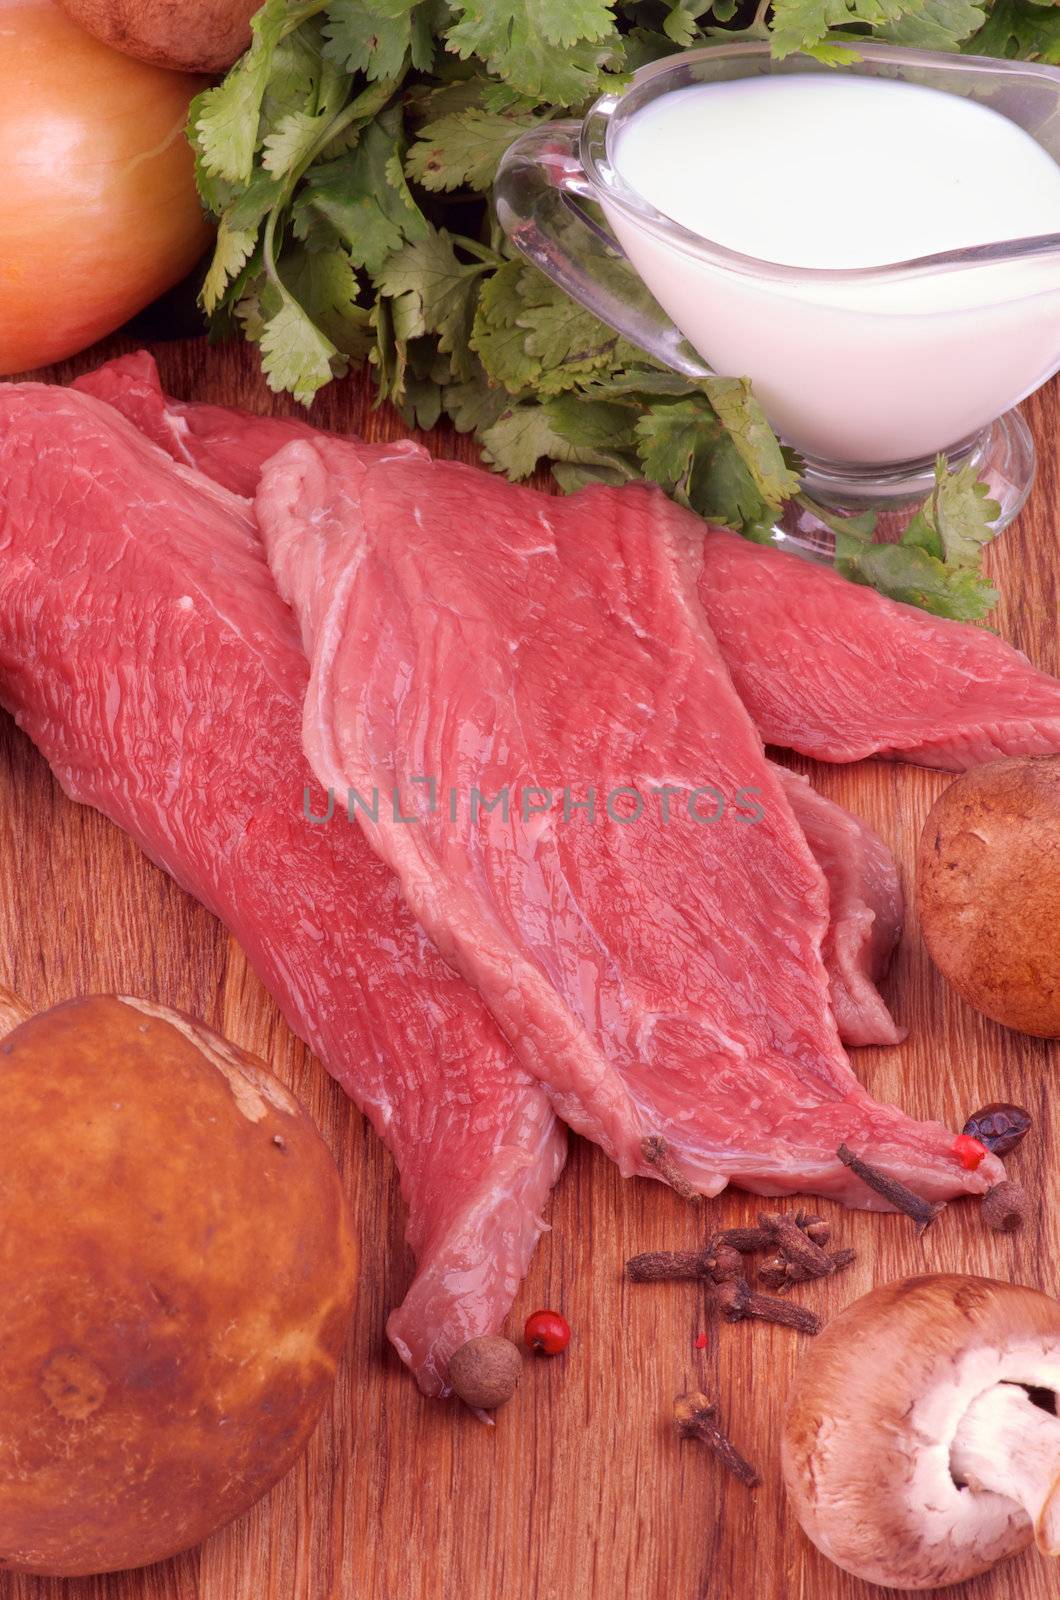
836 170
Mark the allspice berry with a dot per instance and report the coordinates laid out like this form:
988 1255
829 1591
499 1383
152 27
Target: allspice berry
1006 1207
485 1372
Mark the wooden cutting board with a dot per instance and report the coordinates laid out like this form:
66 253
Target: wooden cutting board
581 1491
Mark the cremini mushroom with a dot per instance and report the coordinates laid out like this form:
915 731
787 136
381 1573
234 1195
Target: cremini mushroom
921 1442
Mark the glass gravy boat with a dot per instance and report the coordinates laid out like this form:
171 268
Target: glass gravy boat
867 372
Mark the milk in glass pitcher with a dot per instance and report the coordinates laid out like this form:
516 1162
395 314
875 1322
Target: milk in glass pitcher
876 246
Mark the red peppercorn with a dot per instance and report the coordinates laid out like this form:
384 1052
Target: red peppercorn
969 1151
701 1341
547 1332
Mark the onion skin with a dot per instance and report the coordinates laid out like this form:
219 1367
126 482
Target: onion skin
100 213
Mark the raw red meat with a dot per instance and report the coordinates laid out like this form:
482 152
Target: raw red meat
144 649
662 976
824 666
230 446
864 904
837 671
864 911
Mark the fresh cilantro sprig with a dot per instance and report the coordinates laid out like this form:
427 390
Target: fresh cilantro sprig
349 157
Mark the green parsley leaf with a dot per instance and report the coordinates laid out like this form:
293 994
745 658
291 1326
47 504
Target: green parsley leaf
364 197
686 451
529 333
463 149
433 291
225 119
753 438
295 354
550 50
667 441
935 24
805 24
574 475
524 435
232 251
911 574
326 287
955 521
365 38
1028 29
476 404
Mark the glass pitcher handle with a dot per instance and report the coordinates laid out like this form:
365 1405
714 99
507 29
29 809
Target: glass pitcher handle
538 187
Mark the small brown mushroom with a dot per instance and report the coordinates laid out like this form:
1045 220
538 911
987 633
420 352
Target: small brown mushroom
922 1442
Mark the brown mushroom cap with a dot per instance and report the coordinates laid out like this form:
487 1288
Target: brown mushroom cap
877 1402
177 1270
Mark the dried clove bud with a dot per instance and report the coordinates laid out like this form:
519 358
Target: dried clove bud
923 1212
1006 1207
656 1152
695 1417
749 1241
718 1262
815 1228
727 1263
795 1245
776 1273
738 1302
661 1266
779 1274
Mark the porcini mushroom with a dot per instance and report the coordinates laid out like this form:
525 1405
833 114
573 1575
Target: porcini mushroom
177 1272
922 1442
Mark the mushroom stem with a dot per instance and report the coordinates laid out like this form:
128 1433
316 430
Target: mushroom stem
1007 1445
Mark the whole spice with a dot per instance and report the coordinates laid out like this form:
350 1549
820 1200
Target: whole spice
923 1212
656 1151
795 1245
1006 1207
798 1236
696 1418
727 1263
748 1241
662 1266
778 1273
815 1228
999 1126
485 1372
738 1302
718 1261
547 1332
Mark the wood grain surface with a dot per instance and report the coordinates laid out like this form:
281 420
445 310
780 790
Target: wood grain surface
581 1491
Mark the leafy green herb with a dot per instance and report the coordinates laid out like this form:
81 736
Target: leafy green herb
349 158
935 563
1029 29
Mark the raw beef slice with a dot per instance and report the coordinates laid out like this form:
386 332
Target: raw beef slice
836 671
824 666
145 651
232 446
661 976
865 908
